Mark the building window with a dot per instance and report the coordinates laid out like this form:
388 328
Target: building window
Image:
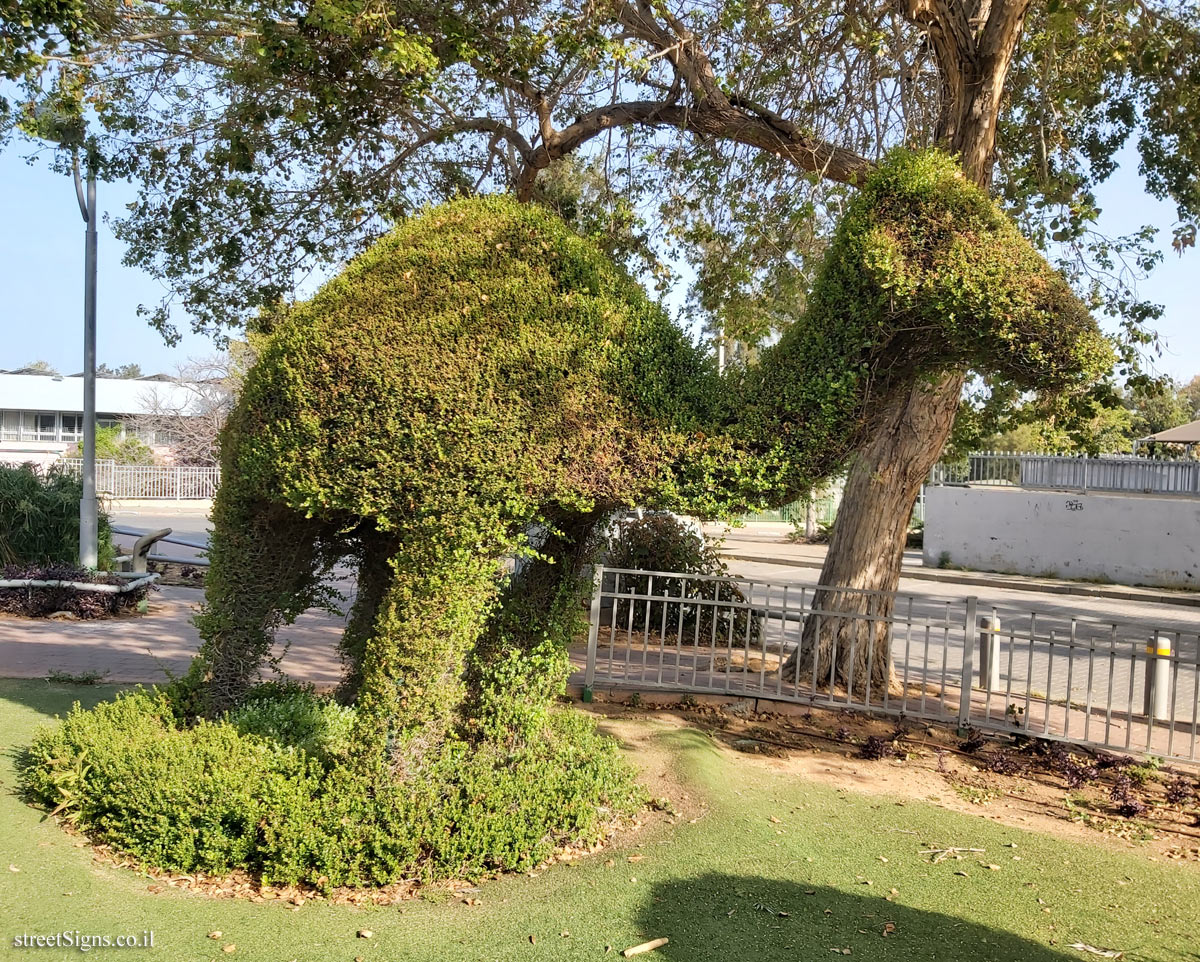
72 427
47 427
10 425
39 426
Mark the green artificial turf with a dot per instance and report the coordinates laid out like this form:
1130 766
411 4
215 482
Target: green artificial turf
717 888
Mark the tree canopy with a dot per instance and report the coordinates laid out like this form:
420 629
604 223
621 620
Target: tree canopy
269 138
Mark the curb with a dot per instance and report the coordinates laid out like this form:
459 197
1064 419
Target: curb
1115 593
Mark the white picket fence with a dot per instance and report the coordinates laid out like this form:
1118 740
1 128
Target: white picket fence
157 481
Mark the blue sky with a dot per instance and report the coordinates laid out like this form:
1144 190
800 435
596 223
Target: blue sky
41 275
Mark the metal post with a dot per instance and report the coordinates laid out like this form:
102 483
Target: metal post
968 669
1158 677
989 652
589 671
88 524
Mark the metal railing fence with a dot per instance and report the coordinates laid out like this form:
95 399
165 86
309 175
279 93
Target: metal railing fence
166 481
1071 473
1038 675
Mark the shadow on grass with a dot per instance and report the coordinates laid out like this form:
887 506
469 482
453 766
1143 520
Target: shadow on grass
721 916
47 698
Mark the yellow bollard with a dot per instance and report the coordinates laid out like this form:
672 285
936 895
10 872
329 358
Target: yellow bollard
1158 678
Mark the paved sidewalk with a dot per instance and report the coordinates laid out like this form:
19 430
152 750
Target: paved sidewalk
154 646
768 544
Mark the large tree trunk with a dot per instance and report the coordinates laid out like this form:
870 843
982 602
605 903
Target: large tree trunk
849 646
974 48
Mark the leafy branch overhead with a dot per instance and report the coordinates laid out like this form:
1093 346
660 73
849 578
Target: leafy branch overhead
270 139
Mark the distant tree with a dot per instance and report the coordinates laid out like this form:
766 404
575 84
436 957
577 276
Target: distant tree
127 371
1157 406
1094 422
1190 393
40 367
190 425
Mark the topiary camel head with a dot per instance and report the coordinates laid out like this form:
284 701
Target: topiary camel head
925 275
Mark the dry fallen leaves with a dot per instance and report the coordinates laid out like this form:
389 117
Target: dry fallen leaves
365 934
215 934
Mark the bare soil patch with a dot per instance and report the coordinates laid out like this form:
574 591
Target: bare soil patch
1067 791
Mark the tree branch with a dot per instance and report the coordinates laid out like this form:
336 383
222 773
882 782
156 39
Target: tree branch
750 125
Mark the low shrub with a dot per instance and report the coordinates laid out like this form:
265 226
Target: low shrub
270 789
1125 798
1180 791
111 446
877 747
296 716
42 600
39 518
662 542
822 535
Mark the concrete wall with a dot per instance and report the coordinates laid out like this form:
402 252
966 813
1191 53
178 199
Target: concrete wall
1126 538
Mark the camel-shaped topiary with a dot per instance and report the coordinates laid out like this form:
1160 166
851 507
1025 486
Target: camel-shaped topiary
483 369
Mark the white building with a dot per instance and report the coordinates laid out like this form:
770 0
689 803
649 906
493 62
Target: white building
41 415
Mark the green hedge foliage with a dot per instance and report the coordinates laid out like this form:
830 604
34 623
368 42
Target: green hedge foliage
480 370
39 518
267 790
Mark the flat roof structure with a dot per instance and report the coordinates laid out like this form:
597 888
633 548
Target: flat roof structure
118 396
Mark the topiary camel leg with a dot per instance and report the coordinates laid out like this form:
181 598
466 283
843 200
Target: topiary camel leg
376 550
266 567
546 593
429 617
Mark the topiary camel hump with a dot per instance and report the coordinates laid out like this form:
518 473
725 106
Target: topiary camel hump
481 368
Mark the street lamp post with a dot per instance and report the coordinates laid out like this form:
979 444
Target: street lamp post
89 534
